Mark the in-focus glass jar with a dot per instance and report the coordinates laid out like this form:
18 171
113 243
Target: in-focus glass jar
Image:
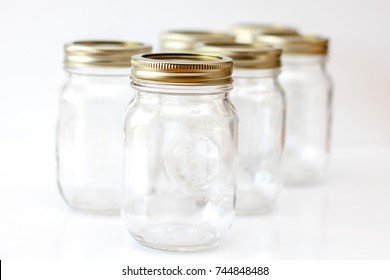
247 32
180 152
259 101
184 40
90 125
308 92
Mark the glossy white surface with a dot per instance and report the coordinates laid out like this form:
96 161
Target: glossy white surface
348 217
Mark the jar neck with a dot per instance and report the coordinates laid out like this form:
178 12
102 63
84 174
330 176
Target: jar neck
99 71
256 73
181 91
247 77
158 94
99 75
304 62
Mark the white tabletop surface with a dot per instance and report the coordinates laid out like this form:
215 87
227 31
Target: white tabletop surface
347 217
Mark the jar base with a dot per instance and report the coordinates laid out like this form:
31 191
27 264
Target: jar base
304 171
250 203
302 178
96 202
177 237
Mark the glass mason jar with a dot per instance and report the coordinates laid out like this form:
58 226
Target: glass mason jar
308 91
184 40
180 152
89 127
259 101
247 32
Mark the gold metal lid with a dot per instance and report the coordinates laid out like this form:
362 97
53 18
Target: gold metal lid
184 40
248 56
297 45
102 53
181 69
246 32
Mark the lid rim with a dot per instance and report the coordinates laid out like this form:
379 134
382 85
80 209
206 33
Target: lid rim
248 56
101 53
181 69
184 40
300 44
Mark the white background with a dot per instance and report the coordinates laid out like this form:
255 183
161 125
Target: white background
347 217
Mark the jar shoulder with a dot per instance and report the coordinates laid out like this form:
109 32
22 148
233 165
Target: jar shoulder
142 111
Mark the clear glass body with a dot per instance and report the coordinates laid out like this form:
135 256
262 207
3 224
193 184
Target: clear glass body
89 138
179 166
308 91
259 101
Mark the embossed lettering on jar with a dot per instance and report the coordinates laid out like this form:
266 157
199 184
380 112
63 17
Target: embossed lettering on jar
308 92
90 126
179 152
259 101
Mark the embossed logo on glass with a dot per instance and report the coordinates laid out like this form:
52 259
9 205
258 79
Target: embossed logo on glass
192 158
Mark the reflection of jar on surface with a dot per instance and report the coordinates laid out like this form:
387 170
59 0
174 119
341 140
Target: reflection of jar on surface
308 92
259 102
89 129
179 151
184 40
247 32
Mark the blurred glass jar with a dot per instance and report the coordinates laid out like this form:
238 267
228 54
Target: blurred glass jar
247 32
184 40
89 128
308 90
180 152
259 101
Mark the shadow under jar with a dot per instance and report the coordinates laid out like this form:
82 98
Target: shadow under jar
180 152
308 91
90 125
259 101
